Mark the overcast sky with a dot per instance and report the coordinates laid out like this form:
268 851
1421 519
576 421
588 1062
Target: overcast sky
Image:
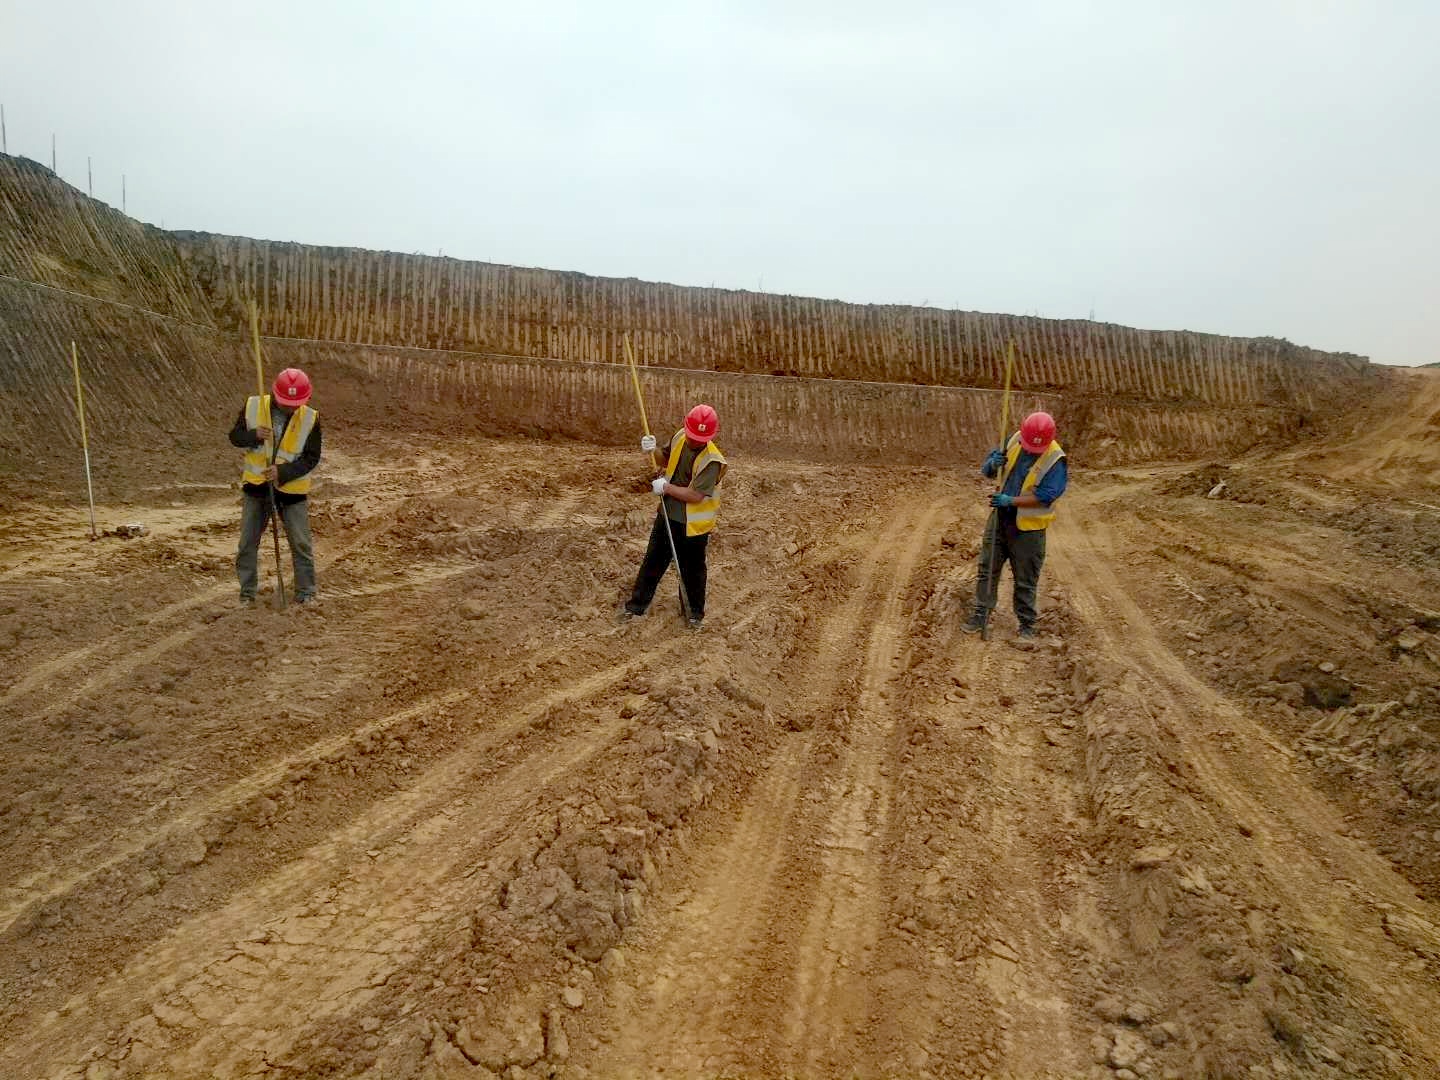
1242 168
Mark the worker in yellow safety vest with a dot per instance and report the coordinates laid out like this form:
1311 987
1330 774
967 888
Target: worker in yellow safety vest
280 434
689 493
1032 476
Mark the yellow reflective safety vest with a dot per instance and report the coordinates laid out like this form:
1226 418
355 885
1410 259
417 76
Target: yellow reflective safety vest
1031 518
699 517
302 422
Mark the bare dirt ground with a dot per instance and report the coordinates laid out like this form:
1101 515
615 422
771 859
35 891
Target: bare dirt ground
460 822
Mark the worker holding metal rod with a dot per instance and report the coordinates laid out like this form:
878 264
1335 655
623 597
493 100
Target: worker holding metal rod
280 434
1030 476
689 503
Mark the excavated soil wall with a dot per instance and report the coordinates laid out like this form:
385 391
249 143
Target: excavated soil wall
152 384
826 419
163 387
349 295
159 321
55 235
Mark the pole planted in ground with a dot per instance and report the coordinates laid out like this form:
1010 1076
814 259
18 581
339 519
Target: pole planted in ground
84 438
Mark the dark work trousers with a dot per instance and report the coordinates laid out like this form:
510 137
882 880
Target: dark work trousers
254 518
691 552
1025 552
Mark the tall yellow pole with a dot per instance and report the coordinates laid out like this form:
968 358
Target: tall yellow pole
84 438
635 379
255 342
1005 403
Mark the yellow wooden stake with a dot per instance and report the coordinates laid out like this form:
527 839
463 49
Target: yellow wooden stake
1005 403
84 438
635 378
255 342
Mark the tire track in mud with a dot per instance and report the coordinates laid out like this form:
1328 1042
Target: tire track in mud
87 864
344 588
1030 810
985 901
84 864
377 893
709 975
1301 847
100 671
339 944
832 963
90 862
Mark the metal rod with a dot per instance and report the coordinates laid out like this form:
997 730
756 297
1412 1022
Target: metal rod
273 444
675 557
84 437
994 523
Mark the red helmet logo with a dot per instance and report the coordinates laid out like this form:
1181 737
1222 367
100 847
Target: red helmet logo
1037 432
292 387
701 423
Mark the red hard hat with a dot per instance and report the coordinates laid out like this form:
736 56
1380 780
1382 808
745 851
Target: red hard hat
292 388
701 423
1037 432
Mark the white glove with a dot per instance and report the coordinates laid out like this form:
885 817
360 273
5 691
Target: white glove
658 485
647 442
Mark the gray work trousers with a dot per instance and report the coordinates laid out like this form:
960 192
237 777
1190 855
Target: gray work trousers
254 517
1025 552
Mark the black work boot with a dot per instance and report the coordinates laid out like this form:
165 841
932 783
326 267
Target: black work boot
975 623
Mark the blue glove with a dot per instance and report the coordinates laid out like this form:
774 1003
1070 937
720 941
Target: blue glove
994 462
1000 502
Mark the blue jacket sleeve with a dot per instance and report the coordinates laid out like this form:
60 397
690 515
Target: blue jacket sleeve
1053 486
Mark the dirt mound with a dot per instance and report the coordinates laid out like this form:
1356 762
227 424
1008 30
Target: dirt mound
1392 440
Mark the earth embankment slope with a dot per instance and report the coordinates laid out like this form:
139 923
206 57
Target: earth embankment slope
1153 393
160 322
